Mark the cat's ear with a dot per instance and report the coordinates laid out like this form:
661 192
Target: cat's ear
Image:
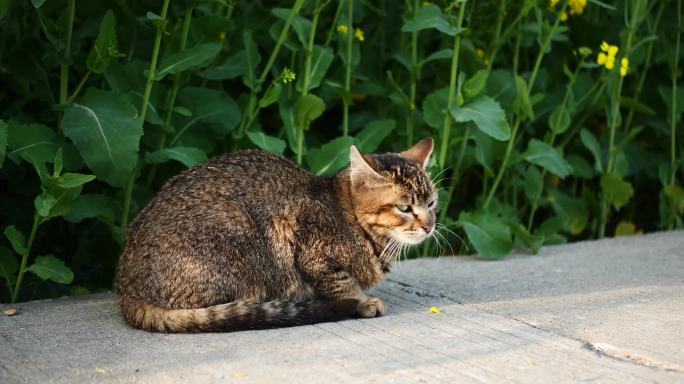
361 172
420 152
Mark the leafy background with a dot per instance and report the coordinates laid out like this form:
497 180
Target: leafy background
539 140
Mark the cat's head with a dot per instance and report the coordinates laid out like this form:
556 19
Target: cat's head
392 193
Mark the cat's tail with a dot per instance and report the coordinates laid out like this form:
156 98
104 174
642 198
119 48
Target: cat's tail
233 316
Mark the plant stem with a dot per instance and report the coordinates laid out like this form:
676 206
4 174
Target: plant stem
24 257
80 85
452 87
307 73
647 64
348 65
64 68
518 119
333 25
673 115
171 99
410 122
537 196
497 34
143 109
614 114
252 103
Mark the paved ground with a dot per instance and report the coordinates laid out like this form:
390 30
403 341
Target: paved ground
603 311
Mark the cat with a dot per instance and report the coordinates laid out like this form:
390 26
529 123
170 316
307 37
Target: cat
250 240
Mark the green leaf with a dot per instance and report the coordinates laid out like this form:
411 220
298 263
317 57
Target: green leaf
38 3
428 17
369 138
533 183
675 194
71 180
189 156
635 105
8 264
266 142
580 167
320 62
271 95
300 25
533 241
487 116
253 58
489 235
521 104
35 143
51 268
473 86
213 108
44 203
88 206
435 107
16 238
233 67
330 157
56 201
191 58
625 228
106 46
616 191
3 141
559 120
105 129
57 163
309 108
590 142
547 157
182 111
442 54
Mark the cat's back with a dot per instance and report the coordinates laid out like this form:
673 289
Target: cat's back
251 175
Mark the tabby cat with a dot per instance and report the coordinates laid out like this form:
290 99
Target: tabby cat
250 240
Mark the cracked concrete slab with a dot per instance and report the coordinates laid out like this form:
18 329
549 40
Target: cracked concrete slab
602 311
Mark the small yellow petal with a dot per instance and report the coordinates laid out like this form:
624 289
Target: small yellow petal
601 59
610 62
564 16
358 33
435 310
623 71
613 50
624 62
605 46
342 28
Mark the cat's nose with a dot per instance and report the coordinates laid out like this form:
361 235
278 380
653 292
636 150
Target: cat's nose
428 228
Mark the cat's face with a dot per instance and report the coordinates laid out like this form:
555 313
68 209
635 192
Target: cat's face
393 195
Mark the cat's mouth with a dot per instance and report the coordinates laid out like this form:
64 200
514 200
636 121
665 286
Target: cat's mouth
411 237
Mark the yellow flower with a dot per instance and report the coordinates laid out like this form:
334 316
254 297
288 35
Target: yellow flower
342 28
601 59
553 3
480 53
435 310
425 3
605 46
358 33
624 66
610 62
564 16
577 6
222 36
613 50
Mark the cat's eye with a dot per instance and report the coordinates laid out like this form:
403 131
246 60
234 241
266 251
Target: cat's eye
431 204
403 208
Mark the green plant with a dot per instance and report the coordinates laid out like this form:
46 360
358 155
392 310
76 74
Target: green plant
544 133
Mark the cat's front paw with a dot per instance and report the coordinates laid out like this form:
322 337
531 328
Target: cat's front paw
373 307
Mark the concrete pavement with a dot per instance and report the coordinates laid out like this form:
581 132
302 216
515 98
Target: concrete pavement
599 311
